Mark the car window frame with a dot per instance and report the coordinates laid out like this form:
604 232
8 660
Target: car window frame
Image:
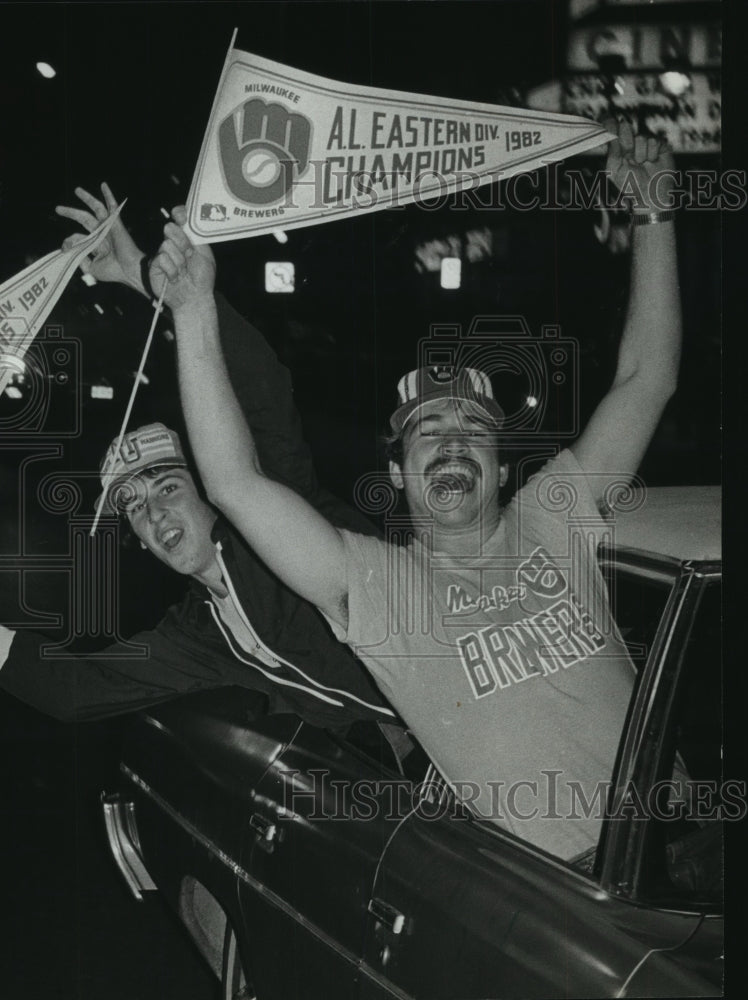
700 578
623 842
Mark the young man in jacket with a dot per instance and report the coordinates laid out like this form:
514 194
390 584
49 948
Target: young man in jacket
238 624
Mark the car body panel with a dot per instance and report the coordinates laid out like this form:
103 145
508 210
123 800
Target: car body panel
338 903
695 969
683 522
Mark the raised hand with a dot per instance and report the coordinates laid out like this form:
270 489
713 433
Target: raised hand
117 257
642 168
189 271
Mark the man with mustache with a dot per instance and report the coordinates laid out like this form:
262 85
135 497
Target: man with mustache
238 624
490 631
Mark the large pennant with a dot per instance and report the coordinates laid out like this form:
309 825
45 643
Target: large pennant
284 149
28 298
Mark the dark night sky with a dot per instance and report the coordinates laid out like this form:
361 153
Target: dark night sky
129 104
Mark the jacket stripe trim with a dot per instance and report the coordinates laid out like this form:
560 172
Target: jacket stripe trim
310 680
252 663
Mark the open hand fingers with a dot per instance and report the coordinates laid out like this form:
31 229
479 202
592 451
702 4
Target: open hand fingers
174 256
614 146
163 265
178 236
640 149
85 219
72 241
98 208
111 201
626 138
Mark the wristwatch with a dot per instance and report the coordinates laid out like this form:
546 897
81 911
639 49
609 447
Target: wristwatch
651 218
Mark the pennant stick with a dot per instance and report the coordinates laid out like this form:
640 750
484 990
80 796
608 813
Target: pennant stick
128 411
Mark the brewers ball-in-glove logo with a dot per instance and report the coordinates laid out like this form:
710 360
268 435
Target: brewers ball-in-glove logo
264 149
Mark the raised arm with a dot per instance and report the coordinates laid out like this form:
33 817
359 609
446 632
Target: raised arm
261 383
264 390
620 429
295 541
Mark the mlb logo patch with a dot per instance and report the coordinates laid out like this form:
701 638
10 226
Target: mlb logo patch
213 213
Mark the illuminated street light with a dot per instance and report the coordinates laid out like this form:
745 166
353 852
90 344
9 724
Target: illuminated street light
46 70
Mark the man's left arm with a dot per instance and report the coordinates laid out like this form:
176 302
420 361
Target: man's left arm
619 431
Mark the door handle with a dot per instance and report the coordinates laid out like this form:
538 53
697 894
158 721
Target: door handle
263 827
387 915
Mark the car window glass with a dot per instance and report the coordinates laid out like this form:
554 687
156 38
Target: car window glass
683 861
638 604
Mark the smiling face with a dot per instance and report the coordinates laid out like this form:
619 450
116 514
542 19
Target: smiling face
450 470
172 522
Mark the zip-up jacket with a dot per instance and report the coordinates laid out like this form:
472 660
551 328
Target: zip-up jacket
302 667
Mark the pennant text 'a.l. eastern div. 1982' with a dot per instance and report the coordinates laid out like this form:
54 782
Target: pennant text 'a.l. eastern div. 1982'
29 297
285 149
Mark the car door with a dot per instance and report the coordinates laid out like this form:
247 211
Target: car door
470 911
483 915
319 822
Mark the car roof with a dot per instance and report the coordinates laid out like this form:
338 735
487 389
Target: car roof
683 522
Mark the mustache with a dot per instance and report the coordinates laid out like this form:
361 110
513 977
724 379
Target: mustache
436 464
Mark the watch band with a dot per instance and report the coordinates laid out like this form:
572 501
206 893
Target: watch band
651 218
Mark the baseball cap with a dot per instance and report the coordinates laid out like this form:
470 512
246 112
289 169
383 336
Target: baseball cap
148 447
423 385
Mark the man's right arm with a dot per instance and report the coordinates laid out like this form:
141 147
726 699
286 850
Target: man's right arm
261 383
264 391
114 680
303 549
